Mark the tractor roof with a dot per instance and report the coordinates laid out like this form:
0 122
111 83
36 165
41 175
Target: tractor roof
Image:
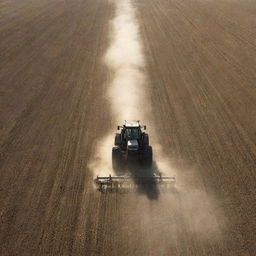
132 124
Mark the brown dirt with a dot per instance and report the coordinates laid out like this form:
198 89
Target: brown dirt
201 59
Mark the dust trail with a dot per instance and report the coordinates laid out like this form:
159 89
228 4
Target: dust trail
126 92
125 59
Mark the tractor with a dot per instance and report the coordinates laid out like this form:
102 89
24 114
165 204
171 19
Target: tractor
131 145
132 150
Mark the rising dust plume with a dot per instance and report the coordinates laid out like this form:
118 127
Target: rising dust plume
126 91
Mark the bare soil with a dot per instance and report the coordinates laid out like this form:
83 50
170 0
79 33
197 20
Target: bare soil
201 65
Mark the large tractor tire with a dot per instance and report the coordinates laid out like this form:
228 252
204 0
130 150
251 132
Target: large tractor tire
118 139
145 139
148 156
116 158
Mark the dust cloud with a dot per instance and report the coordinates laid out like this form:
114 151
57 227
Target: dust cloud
102 164
127 95
125 60
127 88
126 91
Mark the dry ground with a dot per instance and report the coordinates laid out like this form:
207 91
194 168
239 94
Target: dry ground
201 61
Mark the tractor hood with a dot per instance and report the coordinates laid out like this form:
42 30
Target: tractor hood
132 145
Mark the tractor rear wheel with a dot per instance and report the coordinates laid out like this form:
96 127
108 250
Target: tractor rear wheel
148 156
145 139
116 158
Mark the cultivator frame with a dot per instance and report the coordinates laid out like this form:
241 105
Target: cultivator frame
122 182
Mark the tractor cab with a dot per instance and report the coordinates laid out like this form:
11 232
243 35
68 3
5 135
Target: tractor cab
132 131
131 136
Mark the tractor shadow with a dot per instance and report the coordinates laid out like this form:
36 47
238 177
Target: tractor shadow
137 170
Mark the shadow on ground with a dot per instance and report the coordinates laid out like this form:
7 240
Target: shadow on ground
141 175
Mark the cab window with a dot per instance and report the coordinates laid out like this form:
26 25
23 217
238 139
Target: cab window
133 133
